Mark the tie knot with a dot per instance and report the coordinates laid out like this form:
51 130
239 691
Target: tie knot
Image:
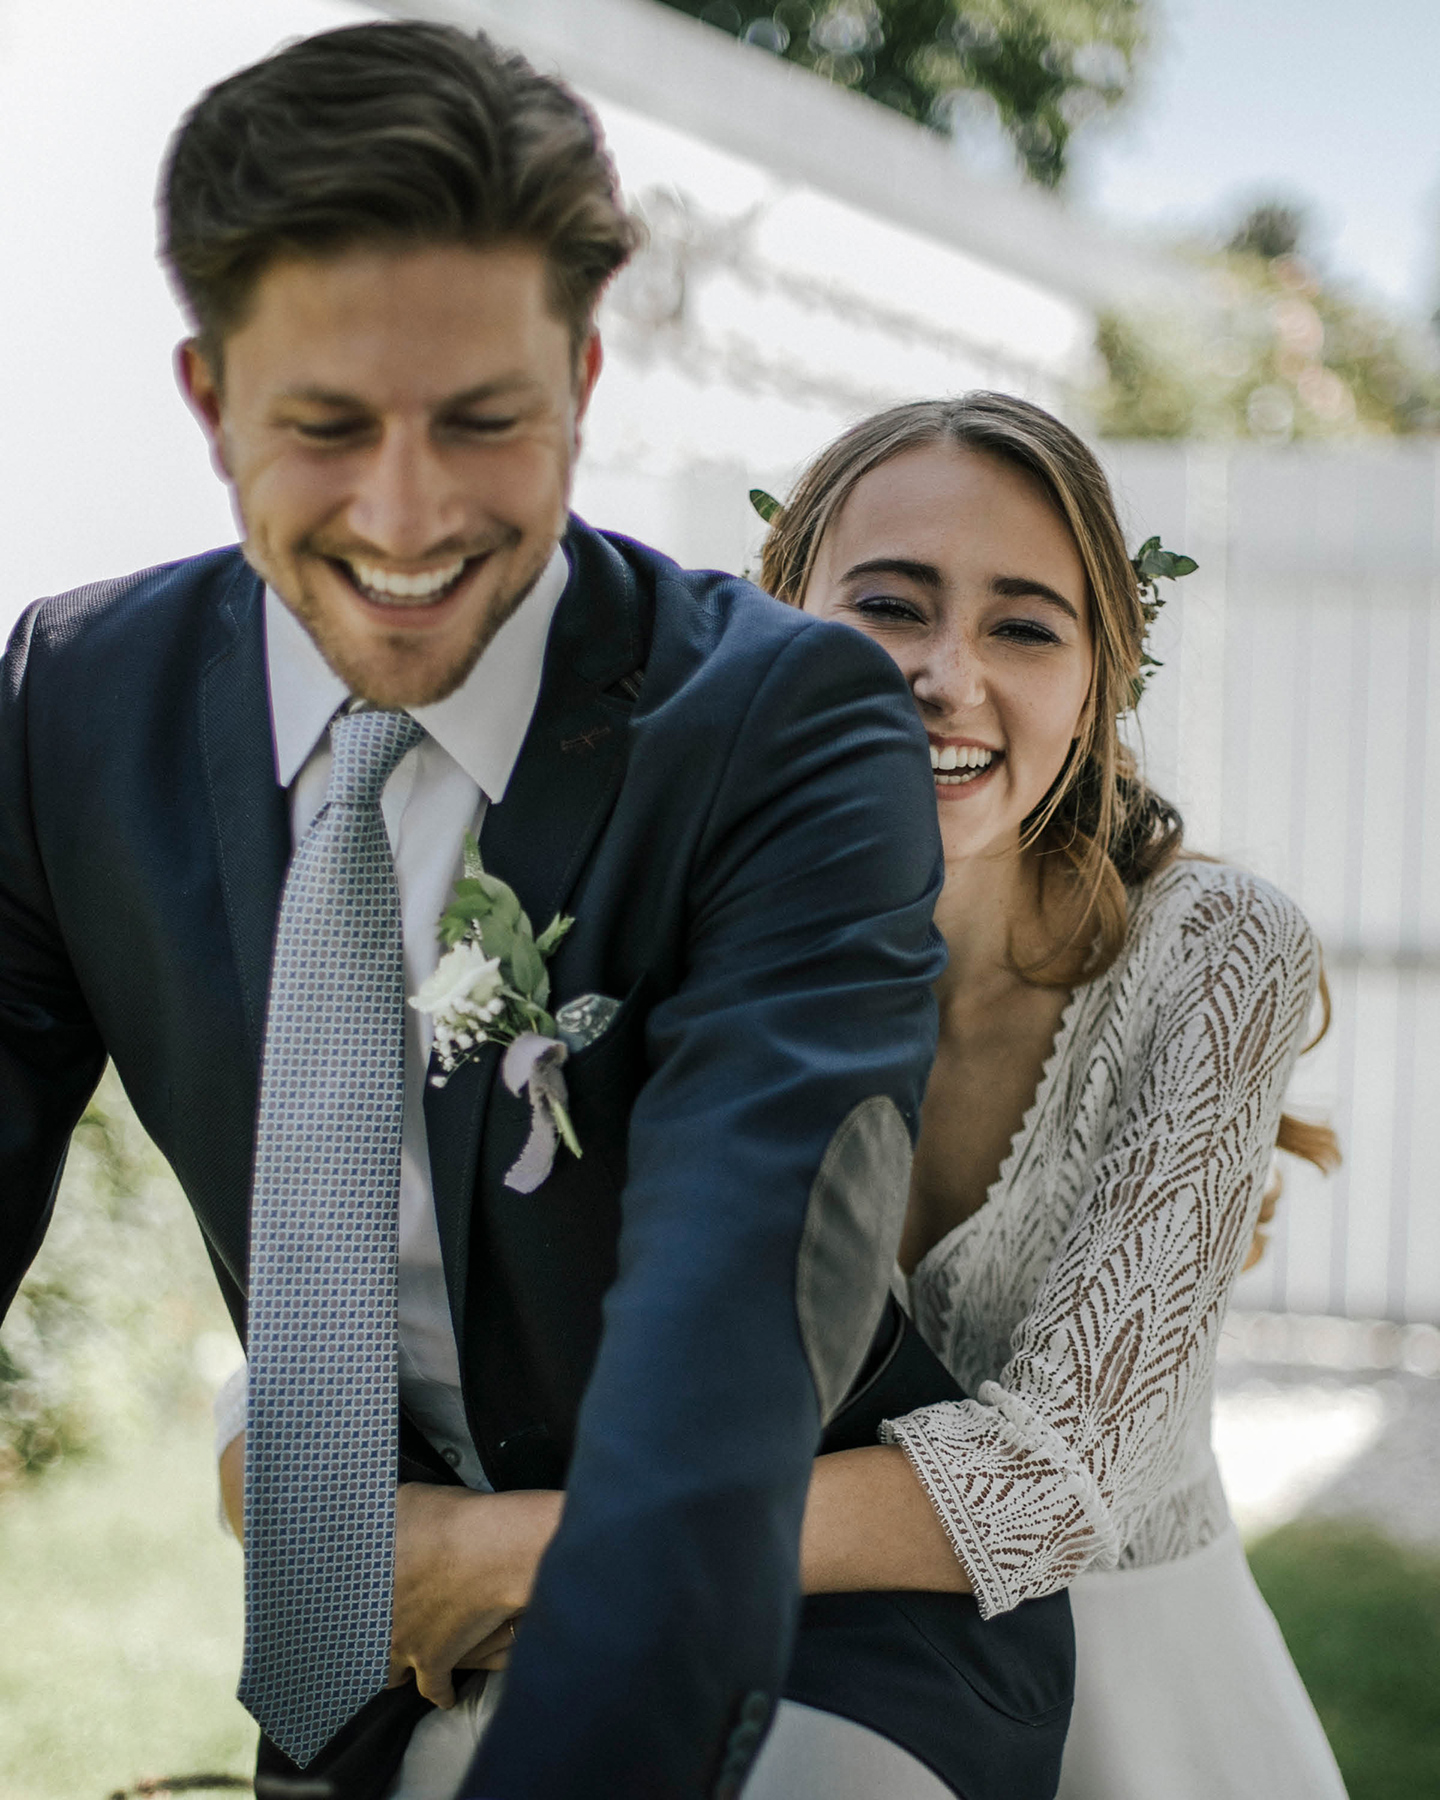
367 747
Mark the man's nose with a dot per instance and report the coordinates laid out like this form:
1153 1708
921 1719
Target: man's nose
405 502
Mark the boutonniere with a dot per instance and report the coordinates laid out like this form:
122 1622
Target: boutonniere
491 986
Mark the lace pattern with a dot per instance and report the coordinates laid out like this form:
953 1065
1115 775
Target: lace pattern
1081 1305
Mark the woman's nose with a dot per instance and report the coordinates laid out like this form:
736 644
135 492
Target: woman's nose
951 679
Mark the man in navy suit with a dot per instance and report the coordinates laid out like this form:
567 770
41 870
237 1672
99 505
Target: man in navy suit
392 240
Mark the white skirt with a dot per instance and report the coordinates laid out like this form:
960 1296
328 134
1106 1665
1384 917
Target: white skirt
808 1755
1184 1689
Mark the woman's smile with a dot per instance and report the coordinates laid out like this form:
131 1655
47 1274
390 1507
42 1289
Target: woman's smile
961 765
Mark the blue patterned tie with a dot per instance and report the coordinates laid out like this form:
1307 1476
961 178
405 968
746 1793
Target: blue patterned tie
321 1443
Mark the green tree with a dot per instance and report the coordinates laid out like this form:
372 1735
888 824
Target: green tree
1040 68
1281 353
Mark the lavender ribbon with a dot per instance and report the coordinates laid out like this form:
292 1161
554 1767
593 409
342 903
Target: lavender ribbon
533 1065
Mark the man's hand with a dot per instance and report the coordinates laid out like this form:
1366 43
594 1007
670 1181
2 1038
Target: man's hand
464 1567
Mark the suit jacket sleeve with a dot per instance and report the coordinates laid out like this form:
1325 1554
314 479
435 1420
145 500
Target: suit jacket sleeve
768 1173
50 1052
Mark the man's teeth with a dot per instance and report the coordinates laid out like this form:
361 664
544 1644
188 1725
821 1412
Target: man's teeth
958 763
385 584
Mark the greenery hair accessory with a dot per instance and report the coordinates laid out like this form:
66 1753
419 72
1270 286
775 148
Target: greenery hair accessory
1152 565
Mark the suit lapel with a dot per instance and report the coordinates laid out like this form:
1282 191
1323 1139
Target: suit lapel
539 837
252 831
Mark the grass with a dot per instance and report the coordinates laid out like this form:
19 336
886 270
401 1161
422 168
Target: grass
1362 1619
120 1624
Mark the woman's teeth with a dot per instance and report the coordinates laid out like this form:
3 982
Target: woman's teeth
386 587
959 763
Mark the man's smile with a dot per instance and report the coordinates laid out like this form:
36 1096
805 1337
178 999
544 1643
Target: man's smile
393 589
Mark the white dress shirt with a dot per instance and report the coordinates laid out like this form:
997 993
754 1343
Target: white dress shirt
438 792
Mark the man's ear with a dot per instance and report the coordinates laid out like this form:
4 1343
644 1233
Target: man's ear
588 365
200 384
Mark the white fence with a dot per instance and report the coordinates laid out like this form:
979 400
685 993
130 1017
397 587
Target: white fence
1291 725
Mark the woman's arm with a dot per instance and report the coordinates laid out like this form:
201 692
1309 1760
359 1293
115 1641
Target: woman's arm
1046 1471
870 1524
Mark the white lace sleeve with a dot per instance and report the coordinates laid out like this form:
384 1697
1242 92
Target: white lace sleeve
1043 1473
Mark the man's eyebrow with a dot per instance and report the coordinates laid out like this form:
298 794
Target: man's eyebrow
1025 587
925 573
313 395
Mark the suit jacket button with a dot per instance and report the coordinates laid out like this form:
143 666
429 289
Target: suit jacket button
744 1742
755 1708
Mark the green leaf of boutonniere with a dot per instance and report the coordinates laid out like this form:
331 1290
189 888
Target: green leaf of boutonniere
552 934
496 937
527 968
768 507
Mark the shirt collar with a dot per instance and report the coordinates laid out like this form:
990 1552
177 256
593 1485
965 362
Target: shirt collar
482 724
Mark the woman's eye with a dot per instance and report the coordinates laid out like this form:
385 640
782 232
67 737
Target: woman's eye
1026 631
886 608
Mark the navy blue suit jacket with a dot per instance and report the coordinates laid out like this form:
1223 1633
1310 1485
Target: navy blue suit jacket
734 800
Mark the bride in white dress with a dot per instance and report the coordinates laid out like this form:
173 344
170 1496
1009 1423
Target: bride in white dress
1118 1026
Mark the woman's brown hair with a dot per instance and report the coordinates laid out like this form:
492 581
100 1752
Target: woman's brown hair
1100 822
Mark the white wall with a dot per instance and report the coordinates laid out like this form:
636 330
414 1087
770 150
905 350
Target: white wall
101 468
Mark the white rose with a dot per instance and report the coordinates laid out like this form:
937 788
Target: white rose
465 979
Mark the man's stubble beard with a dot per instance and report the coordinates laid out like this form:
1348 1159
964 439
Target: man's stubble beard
392 686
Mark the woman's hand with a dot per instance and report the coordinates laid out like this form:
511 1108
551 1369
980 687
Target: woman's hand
464 1567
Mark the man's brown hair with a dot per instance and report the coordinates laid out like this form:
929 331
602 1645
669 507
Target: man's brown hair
391 134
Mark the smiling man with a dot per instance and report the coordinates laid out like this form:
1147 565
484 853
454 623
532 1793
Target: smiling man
398 423
234 797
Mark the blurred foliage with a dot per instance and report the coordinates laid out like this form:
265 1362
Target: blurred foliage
120 1622
1031 71
1282 354
1362 1619
119 1323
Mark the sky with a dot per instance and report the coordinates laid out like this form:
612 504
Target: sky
1329 101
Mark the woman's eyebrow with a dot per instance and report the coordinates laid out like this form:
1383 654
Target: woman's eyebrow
925 573
1024 587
